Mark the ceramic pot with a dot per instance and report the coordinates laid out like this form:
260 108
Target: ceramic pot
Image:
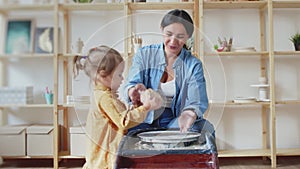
297 46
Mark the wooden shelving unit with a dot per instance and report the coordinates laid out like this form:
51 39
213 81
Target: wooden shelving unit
62 12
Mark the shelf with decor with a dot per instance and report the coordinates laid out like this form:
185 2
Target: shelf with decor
263 56
286 60
69 11
29 57
63 11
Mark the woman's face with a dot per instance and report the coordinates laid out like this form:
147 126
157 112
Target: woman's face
175 36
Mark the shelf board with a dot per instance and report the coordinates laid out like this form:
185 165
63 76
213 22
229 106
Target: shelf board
235 5
160 5
288 151
28 157
231 103
66 155
244 153
34 55
286 4
80 106
27 105
288 102
287 53
237 53
92 6
26 7
68 55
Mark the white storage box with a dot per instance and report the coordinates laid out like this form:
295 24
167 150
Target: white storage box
40 140
77 141
13 140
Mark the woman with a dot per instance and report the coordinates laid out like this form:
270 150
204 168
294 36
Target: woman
171 69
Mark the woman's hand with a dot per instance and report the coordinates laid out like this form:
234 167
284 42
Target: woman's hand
134 94
186 120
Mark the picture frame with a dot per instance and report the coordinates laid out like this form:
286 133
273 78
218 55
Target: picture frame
44 40
19 36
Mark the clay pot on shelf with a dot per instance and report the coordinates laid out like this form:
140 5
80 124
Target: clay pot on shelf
297 46
296 41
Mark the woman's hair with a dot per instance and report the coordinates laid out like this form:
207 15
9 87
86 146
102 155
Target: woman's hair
179 16
101 58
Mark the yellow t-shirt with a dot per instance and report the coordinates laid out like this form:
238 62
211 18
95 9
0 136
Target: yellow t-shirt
107 122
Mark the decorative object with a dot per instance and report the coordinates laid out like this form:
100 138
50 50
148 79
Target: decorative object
78 46
48 96
43 41
244 100
224 45
296 40
137 43
19 36
262 89
16 95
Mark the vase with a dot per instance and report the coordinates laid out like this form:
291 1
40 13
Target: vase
297 46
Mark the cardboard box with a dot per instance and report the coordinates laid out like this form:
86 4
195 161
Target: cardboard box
40 140
77 141
13 140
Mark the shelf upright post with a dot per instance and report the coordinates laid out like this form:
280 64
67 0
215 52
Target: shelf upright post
3 64
128 46
55 87
199 38
66 50
272 84
263 73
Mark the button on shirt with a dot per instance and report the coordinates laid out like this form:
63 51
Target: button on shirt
148 66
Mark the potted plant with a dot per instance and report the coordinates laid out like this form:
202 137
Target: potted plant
296 40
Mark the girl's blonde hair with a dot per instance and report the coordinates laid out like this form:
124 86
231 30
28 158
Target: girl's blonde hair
98 59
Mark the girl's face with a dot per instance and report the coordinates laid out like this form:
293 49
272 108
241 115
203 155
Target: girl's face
116 77
175 36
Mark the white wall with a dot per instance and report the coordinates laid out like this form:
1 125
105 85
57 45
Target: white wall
227 77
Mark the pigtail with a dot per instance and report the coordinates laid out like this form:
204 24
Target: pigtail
78 64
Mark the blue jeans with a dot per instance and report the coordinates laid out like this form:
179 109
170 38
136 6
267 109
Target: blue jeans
168 120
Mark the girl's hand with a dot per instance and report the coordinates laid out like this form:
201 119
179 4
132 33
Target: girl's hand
186 120
151 100
134 94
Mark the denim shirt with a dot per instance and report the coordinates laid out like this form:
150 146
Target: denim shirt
148 66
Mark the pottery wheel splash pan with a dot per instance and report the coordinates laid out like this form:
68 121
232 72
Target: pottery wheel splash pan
168 136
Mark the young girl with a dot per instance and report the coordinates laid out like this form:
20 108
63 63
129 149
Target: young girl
108 119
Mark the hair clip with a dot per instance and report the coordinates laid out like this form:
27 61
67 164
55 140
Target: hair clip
82 60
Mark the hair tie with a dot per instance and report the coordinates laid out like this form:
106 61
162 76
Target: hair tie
82 60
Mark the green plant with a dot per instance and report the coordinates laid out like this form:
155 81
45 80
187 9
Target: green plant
295 38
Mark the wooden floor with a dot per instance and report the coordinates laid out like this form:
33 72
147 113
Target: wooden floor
225 163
